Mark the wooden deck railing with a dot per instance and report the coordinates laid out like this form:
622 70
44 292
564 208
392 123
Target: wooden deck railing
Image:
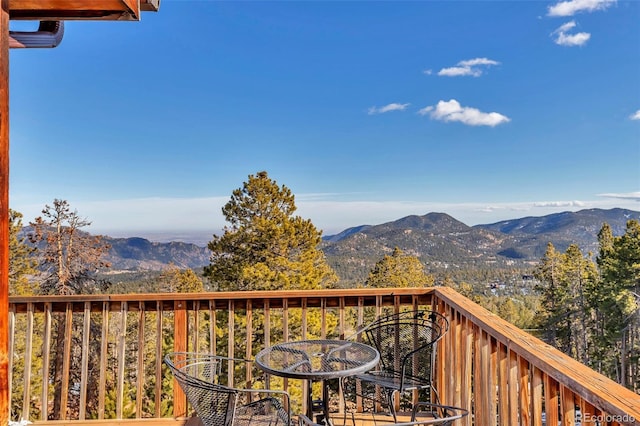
107 351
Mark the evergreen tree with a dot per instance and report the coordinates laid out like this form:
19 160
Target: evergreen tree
175 280
22 265
265 247
618 304
398 270
566 281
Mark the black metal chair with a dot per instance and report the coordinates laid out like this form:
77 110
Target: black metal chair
407 345
202 378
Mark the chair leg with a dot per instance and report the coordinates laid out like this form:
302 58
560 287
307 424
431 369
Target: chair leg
392 405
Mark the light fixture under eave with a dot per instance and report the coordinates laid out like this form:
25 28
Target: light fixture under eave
48 35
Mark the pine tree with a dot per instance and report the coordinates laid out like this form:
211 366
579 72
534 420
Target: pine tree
618 304
398 270
265 247
566 282
22 265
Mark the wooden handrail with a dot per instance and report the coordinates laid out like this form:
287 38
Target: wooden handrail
508 354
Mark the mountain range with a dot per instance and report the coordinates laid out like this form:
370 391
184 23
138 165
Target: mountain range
437 239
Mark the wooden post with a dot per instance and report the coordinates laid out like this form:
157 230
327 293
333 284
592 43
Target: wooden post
4 212
180 344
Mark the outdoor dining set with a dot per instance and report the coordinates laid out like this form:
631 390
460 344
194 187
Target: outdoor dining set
384 364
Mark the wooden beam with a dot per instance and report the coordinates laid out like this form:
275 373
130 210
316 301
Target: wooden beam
4 212
128 10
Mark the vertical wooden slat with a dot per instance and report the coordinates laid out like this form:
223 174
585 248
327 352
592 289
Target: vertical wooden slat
466 373
104 347
267 336
503 385
567 406
5 397
213 328
512 358
493 379
524 407
285 338
84 369
11 348
249 334
121 359
180 328
140 382
26 401
231 350
323 322
159 357
536 397
304 319
458 359
488 390
46 356
479 374
551 401
360 324
66 360
341 319
195 335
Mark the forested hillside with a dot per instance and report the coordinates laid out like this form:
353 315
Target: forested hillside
443 243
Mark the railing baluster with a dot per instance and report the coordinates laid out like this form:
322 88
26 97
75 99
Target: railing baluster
159 356
84 369
551 401
503 385
525 408
46 351
104 354
27 362
140 379
66 359
231 339
536 396
122 333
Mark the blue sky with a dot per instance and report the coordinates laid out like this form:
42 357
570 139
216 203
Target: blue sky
367 111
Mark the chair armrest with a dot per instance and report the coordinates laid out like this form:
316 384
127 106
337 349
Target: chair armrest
270 394
306 421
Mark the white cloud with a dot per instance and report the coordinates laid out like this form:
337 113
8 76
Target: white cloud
635 196
478 61
562 38
571 7
468 67
428 72
559 204
388 108
635 115
459 71
453 111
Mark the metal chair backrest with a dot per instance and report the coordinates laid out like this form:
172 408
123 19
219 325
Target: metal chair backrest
215 404
208 382
406 342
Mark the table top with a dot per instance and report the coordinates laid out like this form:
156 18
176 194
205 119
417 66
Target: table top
317 359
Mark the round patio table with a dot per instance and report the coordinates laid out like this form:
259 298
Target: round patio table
314 360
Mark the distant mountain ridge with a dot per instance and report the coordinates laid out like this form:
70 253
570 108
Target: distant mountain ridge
437 239
442 242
